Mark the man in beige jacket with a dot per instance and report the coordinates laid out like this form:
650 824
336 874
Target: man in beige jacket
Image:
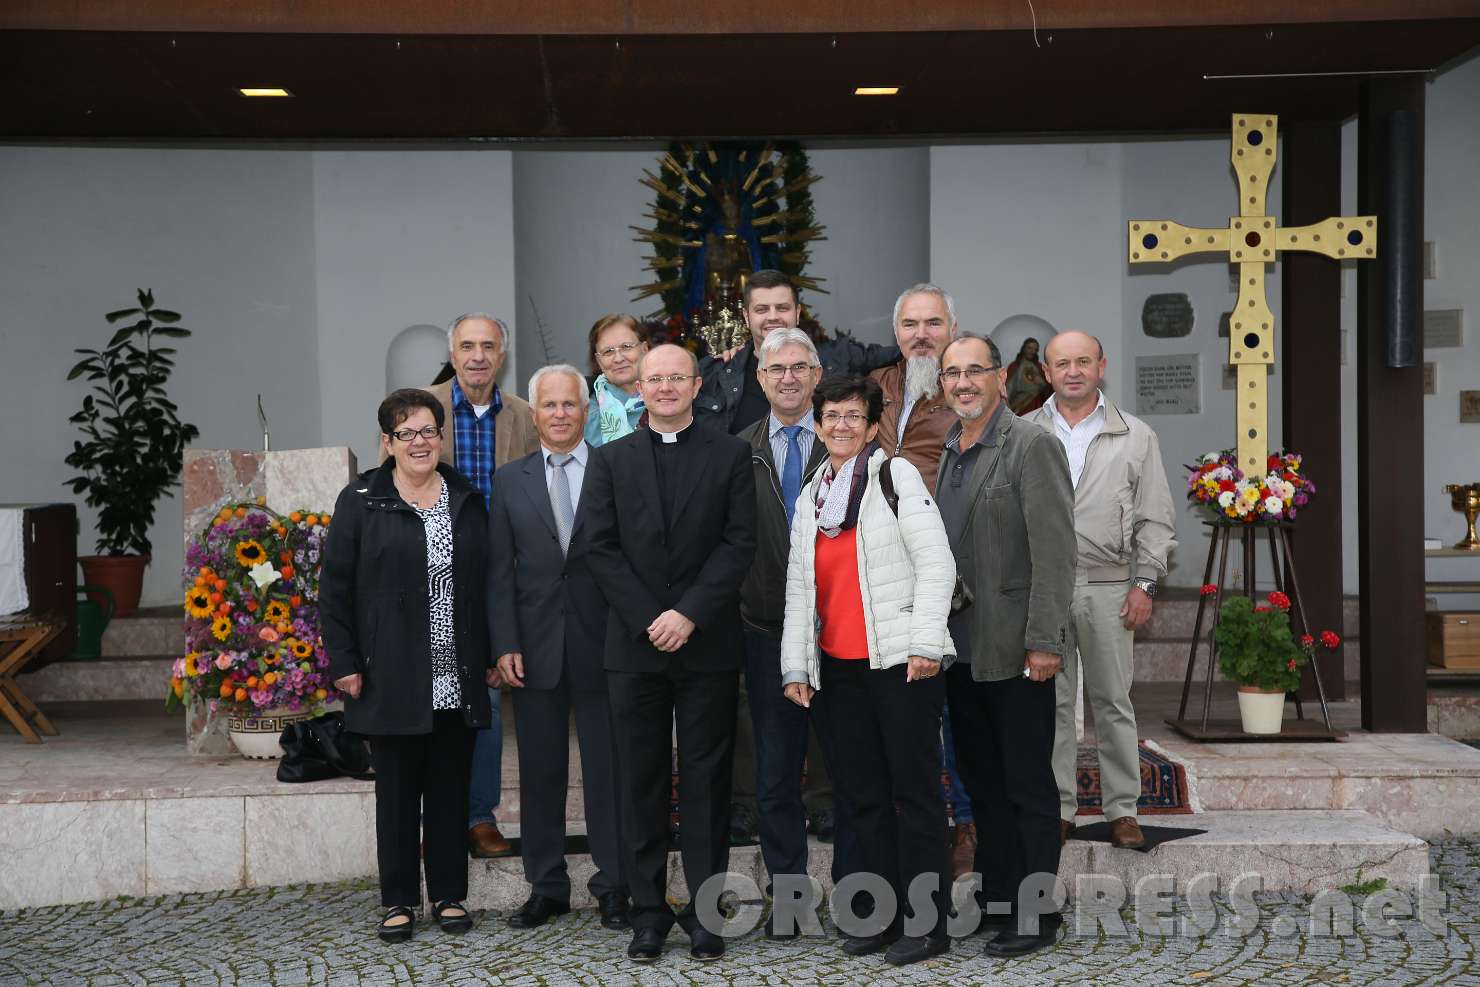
1124 530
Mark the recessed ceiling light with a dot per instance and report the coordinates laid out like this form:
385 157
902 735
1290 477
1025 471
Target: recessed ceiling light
876 91
264 92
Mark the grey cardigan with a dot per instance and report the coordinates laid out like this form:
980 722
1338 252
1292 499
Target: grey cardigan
1017 549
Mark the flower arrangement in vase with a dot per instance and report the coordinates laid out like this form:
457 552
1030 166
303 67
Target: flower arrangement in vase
1258 651
252 637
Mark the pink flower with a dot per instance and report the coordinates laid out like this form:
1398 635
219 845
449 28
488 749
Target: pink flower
267 634
223 662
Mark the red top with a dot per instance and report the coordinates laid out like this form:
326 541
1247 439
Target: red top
839 599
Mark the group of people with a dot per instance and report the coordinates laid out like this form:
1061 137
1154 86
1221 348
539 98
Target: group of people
866 543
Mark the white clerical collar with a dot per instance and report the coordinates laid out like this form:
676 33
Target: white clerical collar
669 437
579 453
1052 404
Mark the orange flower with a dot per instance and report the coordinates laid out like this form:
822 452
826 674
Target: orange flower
241 512
226 688
313 519
216 599
251 606
240 695
325 520
320 694
269 678
178 687
285 556
251 681
220 584
295 517
295 600
287 572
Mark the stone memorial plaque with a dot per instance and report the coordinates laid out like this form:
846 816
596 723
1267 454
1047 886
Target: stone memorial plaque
1167 316
1168 385
1431 378
1469 406
1443 328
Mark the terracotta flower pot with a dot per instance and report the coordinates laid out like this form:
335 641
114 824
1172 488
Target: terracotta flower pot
121 575
1261 710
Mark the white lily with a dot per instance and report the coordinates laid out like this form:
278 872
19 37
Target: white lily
264 575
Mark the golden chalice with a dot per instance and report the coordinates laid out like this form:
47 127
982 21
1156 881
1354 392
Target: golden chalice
1465 498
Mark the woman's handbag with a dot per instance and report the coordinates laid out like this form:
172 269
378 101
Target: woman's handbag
320 748
960 593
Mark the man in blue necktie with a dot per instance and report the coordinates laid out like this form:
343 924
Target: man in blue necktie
785 453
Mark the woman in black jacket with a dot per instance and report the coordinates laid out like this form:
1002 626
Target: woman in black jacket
404 604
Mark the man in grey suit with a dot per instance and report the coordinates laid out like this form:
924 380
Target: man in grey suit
1004 492
549 622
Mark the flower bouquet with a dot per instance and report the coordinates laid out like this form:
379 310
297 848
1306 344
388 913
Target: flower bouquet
1219 487
1257 650
253 646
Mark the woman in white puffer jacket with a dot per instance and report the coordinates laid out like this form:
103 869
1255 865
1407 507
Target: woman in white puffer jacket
868 594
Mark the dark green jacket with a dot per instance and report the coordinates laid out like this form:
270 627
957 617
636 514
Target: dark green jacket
763 595
1016 550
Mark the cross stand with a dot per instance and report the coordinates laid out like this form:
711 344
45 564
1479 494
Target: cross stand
1282 556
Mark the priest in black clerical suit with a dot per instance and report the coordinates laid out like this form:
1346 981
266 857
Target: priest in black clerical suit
670 519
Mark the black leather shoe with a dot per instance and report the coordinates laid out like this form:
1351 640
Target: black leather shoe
537 911
613 907
1011 943
647 945
705 946
743 824
867 945
822 825
994 923
913 949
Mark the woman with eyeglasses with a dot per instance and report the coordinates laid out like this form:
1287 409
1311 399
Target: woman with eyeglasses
868 594
618 343
404 606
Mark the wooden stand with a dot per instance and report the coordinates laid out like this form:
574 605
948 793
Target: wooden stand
1204 729
23 636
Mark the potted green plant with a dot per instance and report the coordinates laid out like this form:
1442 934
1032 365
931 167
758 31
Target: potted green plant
132 447
1257 650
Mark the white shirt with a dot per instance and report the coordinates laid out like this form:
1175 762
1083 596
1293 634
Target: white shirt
1076 438
805 438
575 472
481 409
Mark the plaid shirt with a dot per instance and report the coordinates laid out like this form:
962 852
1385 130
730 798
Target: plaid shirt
472 440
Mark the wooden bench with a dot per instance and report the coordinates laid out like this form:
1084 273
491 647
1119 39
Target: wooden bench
22 638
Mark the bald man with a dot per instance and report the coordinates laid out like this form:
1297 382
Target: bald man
1125 531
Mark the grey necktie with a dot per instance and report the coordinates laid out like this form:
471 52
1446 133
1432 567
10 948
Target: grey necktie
565 515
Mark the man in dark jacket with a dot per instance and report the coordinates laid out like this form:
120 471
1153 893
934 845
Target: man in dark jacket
549 622
670 554
784 454
732 396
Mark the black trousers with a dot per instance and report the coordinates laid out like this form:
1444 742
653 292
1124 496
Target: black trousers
1004 752
542 725
887 734
421 788
645 706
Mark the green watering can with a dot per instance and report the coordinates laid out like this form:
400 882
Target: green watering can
92 620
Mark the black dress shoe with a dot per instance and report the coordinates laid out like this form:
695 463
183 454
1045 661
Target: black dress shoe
1011 943
647 945
613 907
705 946
537 911
913 949
743 824
822 825
994 923
866 945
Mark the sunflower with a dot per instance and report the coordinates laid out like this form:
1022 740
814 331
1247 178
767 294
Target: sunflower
249 553
221 628
276 611
198 602
302 649
192 668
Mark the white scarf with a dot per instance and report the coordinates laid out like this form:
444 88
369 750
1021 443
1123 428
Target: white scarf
832 498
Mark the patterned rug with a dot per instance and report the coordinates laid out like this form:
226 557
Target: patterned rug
1166 787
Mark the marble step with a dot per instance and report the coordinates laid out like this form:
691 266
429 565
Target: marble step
147 631
102 679
1303 851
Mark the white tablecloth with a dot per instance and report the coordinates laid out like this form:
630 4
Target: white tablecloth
13 596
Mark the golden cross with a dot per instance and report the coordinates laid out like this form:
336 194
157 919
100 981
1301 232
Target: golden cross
1251 240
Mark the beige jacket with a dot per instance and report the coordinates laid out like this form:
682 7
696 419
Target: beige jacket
514 435
1122 506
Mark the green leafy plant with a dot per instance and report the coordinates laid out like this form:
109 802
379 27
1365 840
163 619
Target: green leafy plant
1254 643
133 440
1360 888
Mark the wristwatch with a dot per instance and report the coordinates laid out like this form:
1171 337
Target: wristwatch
1147 586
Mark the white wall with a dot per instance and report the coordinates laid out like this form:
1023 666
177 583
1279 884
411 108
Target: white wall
223 237
402 238
576 258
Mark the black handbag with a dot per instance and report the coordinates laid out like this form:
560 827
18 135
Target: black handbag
320 748
961 595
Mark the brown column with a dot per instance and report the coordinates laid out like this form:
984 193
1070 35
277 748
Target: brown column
1390 407
1310 293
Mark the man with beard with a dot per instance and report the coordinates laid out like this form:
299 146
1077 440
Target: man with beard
915 418
732 394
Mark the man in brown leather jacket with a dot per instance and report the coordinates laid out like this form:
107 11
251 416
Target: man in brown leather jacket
916 418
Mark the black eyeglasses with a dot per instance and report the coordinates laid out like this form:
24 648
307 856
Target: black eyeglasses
776 371
657 379
407 434
970 373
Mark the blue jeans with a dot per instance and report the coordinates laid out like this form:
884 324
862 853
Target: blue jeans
486 780
955 791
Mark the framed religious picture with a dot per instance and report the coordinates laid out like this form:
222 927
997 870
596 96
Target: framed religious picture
1469 406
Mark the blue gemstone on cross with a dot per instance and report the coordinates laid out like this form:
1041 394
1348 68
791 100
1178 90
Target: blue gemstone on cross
1256 138
1149 241
1354 237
